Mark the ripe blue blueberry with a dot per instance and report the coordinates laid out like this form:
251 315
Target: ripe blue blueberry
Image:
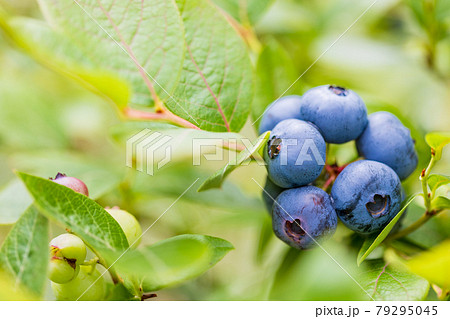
339 113
301 216
287 107
388 141
367 195
270 192
294 154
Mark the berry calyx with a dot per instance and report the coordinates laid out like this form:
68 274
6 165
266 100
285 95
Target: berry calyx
68 246
338 90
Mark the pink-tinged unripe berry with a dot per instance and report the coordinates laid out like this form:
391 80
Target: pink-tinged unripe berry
71 182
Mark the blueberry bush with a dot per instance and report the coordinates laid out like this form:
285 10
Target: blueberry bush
323 173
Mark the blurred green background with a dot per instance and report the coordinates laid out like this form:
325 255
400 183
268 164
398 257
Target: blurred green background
397 57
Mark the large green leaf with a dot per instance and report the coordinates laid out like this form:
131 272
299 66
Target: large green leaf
142 41
174 260
14 199
80 214
244 11
275 72
215 86
32 121
385 282
58 52
373 242
433 265
24 252
177 177
216 180
11 291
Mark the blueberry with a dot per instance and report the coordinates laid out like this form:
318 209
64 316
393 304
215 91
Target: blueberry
339 113
301 216
388 141
367 195
294 154
71 182
270 192
287 107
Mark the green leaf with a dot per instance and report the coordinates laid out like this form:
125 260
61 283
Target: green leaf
37 113
384 233
215 87
216 180
245 11
109 34
24 252
368 241
433 265
436 180
385 282
57 52
176 178
264 238
11 291
275 72
437 141
174 260
440 202
81 215
314 275
14 199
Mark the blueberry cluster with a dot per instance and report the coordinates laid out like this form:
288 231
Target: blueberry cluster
365 194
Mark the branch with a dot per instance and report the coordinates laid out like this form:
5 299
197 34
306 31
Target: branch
163 115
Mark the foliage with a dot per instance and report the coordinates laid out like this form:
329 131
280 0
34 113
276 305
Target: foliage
201 69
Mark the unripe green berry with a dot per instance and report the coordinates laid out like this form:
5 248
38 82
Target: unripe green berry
68 246
129 225
85 286
61 270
